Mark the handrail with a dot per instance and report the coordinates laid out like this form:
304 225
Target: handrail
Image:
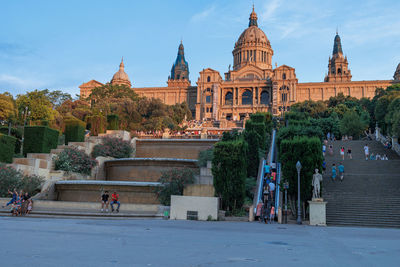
260 176
277 191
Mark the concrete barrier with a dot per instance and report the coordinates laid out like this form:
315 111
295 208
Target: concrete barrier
188 207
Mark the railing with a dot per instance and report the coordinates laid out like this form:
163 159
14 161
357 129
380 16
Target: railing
260 176
277 190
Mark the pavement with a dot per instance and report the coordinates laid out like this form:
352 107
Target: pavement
127 242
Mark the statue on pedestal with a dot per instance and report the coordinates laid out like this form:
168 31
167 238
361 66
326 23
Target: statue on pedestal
317 179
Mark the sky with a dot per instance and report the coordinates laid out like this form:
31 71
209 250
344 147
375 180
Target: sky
58 45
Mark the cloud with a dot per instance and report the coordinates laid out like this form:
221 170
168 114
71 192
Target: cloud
203 14
269 10
17 82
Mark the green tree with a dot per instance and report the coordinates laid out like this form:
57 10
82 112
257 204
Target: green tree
352 125
38 103
229 171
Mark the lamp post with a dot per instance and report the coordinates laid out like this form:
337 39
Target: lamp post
298 167
286 186
25 113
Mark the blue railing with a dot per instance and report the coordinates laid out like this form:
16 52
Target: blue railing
260 178
277 191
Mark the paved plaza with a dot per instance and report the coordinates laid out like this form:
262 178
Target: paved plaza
95 242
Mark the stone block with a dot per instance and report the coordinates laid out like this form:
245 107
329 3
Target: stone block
317 213
202 206
200 190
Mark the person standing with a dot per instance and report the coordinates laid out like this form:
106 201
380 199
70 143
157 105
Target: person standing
272 215
342 152
104 201
333 172
272 189
341 171
114 200
366 151
323 149
349 153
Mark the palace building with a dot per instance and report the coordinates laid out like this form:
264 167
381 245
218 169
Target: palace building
252 85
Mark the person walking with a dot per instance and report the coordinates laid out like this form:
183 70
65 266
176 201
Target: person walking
366 151
323 149
272 215
349 153
333 172
331 150
342 152
341 171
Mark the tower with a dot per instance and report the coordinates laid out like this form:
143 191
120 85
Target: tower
180 69
338 67
120 77
396 75
252 47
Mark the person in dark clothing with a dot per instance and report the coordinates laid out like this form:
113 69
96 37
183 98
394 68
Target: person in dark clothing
104 201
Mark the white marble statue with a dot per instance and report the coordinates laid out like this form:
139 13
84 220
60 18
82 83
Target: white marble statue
316 180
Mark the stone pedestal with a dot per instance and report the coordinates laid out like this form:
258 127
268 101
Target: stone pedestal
317 212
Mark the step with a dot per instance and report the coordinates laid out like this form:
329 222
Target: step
56 151
44 156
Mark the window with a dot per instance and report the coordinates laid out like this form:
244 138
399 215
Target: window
264 99
208 99
229 116
208 79
208 110
284 76
284 97
211 110
208 89
247 98
229 99
339 70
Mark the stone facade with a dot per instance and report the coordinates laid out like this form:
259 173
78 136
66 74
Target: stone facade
253 84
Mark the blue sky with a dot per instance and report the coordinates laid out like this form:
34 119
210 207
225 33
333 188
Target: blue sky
61 44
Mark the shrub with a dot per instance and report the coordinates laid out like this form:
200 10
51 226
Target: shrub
113 147
74 160
11 178
229 170
74 130
113 122
204 156
98 124
17 133
40 139
7 147
173 182
306 150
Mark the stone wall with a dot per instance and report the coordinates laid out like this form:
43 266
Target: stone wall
204 206
143 169
171 148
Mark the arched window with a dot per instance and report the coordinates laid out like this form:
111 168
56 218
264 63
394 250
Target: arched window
284 97
229 99
247 98
264 99
208 99
284 76
339 70
208 79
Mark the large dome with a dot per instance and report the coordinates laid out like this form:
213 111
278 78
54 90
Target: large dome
252 47
252 35
120 77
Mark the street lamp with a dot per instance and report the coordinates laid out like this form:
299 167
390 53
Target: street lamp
286 186
298 167
25 113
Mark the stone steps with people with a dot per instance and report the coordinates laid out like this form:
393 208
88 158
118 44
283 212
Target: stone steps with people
368 194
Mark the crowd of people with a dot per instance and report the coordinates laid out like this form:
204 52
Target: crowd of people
21 203
265 211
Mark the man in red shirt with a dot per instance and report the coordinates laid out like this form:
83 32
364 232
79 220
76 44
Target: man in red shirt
114 200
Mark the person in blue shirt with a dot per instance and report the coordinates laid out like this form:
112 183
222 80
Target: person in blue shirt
333 172
324 166
341 171
14 197
267 169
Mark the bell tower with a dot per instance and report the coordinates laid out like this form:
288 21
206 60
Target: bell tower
338 67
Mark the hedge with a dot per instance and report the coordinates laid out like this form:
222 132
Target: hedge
306 150
7 146
74 130
97 124
15 132
40 139
113 122
229 171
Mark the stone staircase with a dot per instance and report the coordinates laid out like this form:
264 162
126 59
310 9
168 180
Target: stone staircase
370 192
